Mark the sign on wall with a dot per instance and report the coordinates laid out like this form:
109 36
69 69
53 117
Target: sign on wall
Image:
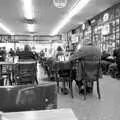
106 17
106 29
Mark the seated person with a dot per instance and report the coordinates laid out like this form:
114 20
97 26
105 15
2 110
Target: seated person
116 54
105 62
26 54
104 55
12 52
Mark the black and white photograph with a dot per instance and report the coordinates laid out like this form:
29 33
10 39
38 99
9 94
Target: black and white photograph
59 59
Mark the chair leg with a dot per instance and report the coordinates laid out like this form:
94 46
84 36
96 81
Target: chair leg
64 83
71 90
57 84
92 87
85 85
57 80
9 77
98 90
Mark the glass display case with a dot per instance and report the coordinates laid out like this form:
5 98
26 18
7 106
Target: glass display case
5 38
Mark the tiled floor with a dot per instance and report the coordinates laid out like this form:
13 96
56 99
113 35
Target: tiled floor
108 108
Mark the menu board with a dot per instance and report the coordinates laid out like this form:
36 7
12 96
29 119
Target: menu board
46 38
23 38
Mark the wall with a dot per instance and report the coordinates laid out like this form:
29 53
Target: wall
103 30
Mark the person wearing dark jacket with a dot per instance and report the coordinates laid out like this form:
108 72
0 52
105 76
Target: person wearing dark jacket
116 54
11 52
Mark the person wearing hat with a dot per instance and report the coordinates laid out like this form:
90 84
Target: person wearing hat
88 52
85 51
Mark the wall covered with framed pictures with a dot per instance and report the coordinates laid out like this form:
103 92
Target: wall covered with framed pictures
103 30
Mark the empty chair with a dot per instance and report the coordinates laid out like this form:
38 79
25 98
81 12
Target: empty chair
90 73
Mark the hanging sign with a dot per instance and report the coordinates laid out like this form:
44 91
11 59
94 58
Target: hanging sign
60 3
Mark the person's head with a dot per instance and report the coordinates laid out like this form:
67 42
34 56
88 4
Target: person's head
11 49
18 48
118 46
4 48
26 48
104 52
59 48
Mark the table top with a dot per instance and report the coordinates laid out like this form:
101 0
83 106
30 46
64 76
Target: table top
12 63
57 114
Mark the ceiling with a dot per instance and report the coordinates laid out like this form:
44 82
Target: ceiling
48 16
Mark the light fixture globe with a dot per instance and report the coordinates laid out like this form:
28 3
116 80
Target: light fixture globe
60 3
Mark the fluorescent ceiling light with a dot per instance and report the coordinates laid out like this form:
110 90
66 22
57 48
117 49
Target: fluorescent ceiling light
28 9
30 27
76 8
6 29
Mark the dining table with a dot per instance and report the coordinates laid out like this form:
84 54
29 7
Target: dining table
53 114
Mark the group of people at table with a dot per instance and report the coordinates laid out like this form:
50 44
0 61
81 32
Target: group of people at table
85 51
107 60
10 60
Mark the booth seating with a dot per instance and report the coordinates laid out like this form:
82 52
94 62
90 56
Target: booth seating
28 97
26 73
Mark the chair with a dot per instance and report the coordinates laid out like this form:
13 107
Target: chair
26 73
28 97
63 73
90 73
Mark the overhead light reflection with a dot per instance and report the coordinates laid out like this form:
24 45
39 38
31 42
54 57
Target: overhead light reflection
30 27
76 8
6 29
28 9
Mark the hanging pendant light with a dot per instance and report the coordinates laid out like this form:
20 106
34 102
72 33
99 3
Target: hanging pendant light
60 3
